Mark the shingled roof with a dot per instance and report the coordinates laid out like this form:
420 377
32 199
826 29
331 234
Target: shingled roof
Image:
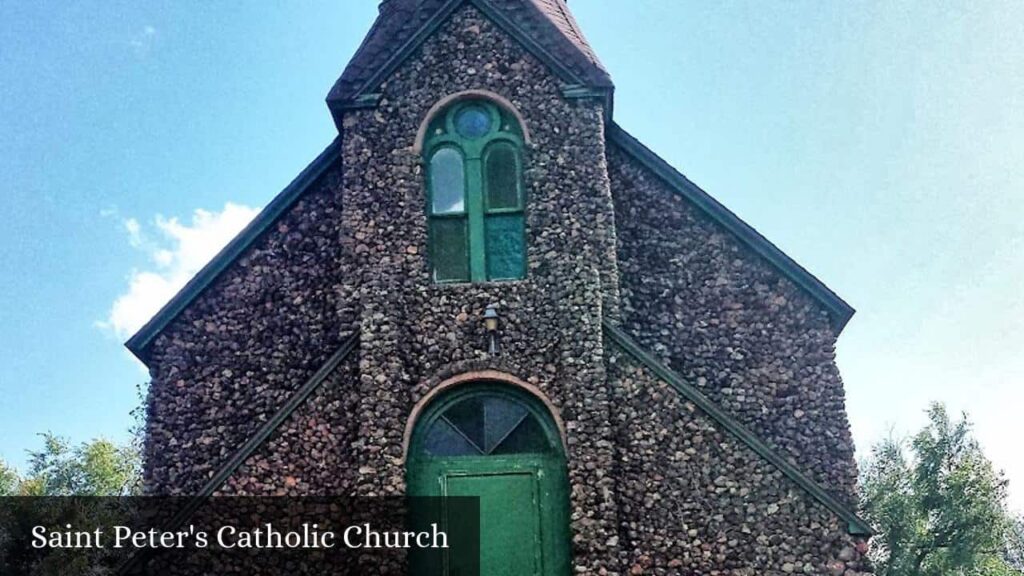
403 24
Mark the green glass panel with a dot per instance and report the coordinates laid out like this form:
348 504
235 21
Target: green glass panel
450 250
473 122
501 172
506 247
447 182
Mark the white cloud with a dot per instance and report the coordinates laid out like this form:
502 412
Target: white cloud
143 40
134 232
176 252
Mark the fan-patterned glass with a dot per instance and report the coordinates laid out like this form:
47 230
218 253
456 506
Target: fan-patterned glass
483 425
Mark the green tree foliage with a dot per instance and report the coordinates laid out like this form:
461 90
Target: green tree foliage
938 504
1015 545
9 480
96 468
55 471
59 469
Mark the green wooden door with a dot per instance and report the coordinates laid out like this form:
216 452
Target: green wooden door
495 444
509 521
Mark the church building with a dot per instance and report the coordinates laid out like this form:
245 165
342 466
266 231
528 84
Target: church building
485 286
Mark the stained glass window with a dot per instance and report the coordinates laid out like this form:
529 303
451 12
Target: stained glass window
476 204
486 424
506 255
501 166
473 121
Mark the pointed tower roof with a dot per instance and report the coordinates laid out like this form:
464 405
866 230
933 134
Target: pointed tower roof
545 27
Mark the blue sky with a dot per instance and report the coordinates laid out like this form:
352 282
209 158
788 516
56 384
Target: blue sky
880 144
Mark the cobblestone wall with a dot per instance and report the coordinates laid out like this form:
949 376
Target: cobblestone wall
731 325
655 488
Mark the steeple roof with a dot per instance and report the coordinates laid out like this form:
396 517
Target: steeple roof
545 26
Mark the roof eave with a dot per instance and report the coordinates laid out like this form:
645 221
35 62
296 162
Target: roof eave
242 453
139 344
839 311
856 525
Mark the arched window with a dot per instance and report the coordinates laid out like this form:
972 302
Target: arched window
475 194
486 424
497 443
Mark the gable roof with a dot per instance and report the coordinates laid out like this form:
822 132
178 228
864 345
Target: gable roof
545 27
839 311
549 31
855 524
139 343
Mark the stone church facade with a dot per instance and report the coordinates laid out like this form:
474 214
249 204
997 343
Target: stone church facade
659 373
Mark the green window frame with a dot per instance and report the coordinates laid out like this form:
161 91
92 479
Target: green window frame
475 196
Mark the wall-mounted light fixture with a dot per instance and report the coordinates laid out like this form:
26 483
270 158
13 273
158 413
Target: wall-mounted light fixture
491 320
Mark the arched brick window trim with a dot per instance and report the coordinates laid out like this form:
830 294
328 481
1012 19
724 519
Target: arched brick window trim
442 104
469 378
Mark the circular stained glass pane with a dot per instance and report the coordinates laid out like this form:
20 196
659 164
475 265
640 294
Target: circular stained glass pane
473 122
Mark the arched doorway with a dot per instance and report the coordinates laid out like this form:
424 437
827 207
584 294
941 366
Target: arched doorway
496 442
